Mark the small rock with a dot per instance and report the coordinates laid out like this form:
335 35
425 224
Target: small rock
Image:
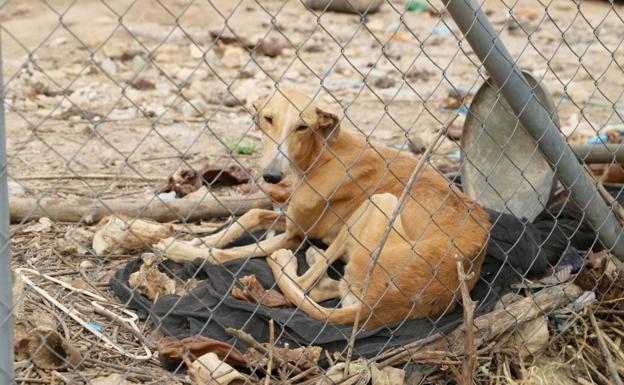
85 265
313 48
138 63
109 66
143 84
454 132
232 101
195 52
269 47
234 56
381 80
59 41
417 145
16 189
195 107
123 114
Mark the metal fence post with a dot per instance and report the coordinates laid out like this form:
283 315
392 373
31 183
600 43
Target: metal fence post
6 320
487 45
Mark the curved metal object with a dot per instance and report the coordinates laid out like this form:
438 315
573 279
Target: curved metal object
502 167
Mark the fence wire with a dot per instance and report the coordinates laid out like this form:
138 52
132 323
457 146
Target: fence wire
220 192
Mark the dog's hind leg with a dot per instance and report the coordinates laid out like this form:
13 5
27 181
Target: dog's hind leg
364 228
284 266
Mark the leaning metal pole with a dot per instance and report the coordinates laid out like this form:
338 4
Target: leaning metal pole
6 320
502 68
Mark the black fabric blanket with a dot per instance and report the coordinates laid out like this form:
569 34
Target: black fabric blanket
515 249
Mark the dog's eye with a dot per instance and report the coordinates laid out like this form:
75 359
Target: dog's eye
269 119
301 127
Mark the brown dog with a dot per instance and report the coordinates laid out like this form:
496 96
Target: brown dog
345 192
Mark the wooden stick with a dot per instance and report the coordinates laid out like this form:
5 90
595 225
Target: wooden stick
91 211
94 177
250 341
469 307
271 342
606 354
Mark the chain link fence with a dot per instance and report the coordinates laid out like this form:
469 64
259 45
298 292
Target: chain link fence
218 192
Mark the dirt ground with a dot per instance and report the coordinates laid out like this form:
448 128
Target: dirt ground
141 88
126 93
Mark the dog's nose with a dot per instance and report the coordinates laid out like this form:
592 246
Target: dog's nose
272 178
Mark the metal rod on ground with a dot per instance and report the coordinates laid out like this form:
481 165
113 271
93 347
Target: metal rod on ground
6 320
538 123
599 153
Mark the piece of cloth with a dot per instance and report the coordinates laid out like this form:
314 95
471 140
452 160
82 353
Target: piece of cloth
516 249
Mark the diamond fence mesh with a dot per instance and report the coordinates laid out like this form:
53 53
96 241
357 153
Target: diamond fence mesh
216 192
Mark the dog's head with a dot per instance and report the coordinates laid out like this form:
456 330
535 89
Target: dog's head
295 130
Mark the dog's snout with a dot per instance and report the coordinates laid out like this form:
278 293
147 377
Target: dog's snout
271 177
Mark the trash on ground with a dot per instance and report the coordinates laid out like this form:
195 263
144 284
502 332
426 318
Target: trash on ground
210 370
190 180
603 275
122 235
150 281
346 6
77 241
253 292
244 147
46 348
171 351
112 379
302 357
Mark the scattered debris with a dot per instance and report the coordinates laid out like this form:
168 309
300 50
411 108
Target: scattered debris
346 6
143 84
46 348
529 338
417 145
172 351
121 235
112 379
244 146
603 274
254 292
43 225
210 370
190 180
108 66
77 241
150 281
303 357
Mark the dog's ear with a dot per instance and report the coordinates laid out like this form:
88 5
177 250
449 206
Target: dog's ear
328 123
258 104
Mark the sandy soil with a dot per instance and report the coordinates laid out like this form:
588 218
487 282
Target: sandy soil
143 88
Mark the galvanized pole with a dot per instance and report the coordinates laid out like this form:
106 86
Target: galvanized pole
6 320
502 68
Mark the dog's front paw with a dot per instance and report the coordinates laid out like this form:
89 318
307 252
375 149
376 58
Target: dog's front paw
177 251
282 257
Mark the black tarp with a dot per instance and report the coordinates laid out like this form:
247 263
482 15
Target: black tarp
516 248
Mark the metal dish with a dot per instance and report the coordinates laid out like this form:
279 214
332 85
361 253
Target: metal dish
502 167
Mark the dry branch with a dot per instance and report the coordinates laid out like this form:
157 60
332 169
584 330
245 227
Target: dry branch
606 354
486 327
469 309
90 211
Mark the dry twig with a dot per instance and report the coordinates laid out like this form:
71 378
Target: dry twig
469 308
